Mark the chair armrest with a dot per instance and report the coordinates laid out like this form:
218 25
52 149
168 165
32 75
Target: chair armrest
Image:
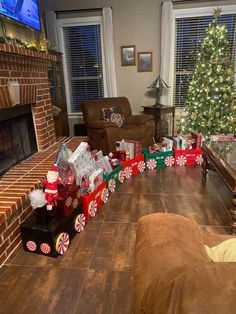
101 124
138 119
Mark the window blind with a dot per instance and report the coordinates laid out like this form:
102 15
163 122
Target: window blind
83 64
189 34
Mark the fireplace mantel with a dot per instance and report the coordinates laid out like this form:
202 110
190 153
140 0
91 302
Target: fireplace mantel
30 69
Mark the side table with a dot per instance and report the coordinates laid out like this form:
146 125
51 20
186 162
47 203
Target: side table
158 111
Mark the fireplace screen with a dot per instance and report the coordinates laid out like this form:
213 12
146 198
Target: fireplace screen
17 136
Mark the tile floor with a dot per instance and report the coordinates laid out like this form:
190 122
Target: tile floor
95 275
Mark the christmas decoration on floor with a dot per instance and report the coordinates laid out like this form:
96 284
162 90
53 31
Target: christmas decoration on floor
210 106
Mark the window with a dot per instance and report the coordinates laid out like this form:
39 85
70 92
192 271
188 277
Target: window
83 62
189 33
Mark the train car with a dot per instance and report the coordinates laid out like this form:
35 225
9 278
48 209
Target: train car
95 199
158 159
50 232
133 166
114 178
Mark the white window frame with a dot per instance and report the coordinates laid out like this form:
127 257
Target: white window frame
80 21
193 12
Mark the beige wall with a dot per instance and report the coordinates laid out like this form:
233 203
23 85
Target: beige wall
136 22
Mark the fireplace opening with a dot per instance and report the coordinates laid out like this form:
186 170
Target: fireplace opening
17 136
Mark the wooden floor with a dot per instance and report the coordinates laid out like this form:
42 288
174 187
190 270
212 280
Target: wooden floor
95 275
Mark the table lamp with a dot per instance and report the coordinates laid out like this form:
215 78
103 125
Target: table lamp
159 84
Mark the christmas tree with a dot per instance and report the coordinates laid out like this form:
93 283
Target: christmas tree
210 107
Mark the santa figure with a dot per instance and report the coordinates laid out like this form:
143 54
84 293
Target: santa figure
51 184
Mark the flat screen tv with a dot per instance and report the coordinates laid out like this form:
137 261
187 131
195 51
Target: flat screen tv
23 11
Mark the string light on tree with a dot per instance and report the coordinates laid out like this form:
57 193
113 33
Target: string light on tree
212 88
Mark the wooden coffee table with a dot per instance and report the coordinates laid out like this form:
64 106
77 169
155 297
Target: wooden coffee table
221 157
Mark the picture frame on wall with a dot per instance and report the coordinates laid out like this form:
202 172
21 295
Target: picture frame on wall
128 55
145 61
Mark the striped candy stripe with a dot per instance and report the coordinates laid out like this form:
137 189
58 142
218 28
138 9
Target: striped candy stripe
151 164
199 159
112 185
105 195
181 160
80 222
141 166
31 246
62 243
169 161
45 248
92 210
121 176
128 172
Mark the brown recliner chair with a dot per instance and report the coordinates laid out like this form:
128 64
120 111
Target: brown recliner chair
104 134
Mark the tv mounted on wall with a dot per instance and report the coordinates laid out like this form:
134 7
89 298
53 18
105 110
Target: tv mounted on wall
23 11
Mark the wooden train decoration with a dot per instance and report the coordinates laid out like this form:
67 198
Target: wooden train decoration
49 232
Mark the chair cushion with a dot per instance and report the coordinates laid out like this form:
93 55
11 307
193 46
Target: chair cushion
114 114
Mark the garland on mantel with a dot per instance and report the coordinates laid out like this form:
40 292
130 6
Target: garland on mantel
40 45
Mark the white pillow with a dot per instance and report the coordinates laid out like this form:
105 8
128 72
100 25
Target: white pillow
223 252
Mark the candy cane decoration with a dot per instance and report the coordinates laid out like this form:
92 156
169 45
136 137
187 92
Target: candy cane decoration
169 161
112 185
121 176
199 160
141 166
92 209
151 164
128 172
105 195
80 222
45 248
31 246
62 243
181 160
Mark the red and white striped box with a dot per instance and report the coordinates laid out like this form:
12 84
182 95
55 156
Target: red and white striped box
137 147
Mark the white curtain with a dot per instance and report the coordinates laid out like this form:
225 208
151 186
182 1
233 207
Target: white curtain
109 52
52 30
167 51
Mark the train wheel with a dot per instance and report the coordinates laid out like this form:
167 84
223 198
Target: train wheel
112 185
105 195
151 164
62 242
121 176
92 208
141 166
128 172
31 246
45 248
80 223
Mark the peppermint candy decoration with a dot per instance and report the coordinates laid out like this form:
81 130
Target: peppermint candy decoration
75 203
121 176
169 161
80 222
62 243
31 246
45 248
68 201
105 195
128 172
181 160
199 160
92 209
141 166
151 164
112 185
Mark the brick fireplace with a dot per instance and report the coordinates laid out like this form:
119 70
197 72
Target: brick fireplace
30 69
